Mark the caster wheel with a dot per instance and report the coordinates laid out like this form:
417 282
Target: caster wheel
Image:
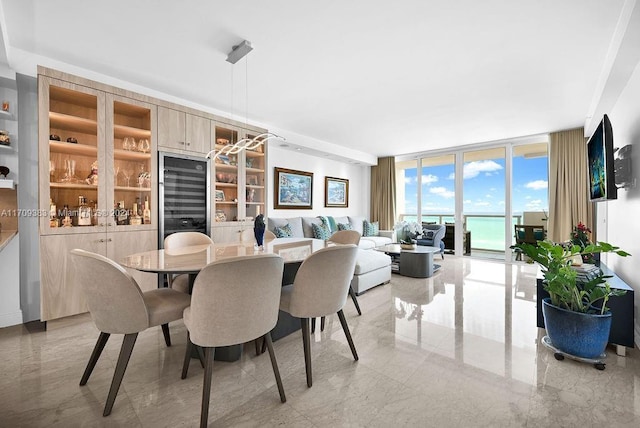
558 356
599 366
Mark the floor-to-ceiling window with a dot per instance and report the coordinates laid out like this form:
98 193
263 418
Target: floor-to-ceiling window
438 190
499 186
484 199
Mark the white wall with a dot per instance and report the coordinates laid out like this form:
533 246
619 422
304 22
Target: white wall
358 176
10 313
622 227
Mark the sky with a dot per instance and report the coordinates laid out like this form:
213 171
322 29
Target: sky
484 187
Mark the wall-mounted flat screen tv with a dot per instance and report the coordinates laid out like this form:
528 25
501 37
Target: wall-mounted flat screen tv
602 184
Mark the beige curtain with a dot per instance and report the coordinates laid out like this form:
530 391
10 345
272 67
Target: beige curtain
383 193
568 185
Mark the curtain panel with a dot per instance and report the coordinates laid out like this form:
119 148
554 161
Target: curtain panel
568 185
383 192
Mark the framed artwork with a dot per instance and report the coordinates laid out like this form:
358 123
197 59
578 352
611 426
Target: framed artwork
219 195
293 189
336 192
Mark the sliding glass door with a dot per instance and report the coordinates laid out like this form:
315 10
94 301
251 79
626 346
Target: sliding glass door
484 201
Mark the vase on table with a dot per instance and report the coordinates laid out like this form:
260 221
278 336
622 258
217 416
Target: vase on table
258 230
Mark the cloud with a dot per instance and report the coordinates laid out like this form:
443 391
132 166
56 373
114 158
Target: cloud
473 169
535 204
537 185
467 201
442 191
501 203
429 178
488 196
408 180
482 204
527 197
452 176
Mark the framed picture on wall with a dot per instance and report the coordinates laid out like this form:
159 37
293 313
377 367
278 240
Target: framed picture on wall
293 189
336 192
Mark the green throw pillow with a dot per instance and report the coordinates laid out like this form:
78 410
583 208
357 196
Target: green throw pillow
345 226
370 229
283 232
320 231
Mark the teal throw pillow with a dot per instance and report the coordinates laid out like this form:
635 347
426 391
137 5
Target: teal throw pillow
370 229
320 231
345 226
283 232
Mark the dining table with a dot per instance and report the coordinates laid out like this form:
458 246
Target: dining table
191 260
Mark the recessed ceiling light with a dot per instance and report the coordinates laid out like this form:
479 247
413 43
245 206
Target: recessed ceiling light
284 145
298 148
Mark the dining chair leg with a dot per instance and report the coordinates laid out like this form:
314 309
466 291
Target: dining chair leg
95 355
347 333
313 325
187 357
121 366
322 321
257 343
167 336
206 386
274 364
201 355
355 300
306 341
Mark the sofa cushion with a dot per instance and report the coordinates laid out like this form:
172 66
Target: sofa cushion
345 226
283 232
368 260
376 240
320 231
307 228
357 223
370 229
295 223
366 244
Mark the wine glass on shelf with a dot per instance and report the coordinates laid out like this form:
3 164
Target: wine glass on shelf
144 146
116 171
127 172
52 170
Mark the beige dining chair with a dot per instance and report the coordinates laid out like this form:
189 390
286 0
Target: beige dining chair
320 288
118 306
342 237
235 300
248 236
180 240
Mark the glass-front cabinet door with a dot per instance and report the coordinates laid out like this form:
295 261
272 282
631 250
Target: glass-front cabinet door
132 159
254 178
71 156
226 195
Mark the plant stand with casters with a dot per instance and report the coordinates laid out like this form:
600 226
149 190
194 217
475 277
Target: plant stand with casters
559 355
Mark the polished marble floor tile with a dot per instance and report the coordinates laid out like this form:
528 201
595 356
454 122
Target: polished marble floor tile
459 349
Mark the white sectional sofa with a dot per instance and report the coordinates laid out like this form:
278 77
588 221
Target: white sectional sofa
372 267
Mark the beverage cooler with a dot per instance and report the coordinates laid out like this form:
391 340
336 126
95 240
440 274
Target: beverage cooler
183 195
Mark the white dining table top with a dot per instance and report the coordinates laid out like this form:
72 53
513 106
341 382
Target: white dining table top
193 258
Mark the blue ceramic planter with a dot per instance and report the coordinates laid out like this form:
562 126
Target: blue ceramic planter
575 333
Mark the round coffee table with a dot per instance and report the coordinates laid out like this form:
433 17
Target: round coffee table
416 262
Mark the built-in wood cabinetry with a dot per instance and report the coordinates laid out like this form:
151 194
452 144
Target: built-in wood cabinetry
110 163
183 131
98 171
239 184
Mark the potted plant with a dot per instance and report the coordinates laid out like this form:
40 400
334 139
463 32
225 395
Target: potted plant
576 317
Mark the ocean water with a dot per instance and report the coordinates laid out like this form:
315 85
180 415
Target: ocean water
487 233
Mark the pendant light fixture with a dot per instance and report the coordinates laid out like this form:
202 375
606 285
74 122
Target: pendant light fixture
237 53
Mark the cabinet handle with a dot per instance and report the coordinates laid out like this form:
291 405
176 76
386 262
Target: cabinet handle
109 240
188 144
109 224
101 224
100 240
181 142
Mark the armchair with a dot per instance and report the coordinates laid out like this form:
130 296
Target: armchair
432 235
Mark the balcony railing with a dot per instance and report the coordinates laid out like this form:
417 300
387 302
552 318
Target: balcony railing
487 230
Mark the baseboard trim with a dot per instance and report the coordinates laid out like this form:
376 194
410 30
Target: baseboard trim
12 318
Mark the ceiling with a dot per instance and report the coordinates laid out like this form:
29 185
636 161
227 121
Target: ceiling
375 77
